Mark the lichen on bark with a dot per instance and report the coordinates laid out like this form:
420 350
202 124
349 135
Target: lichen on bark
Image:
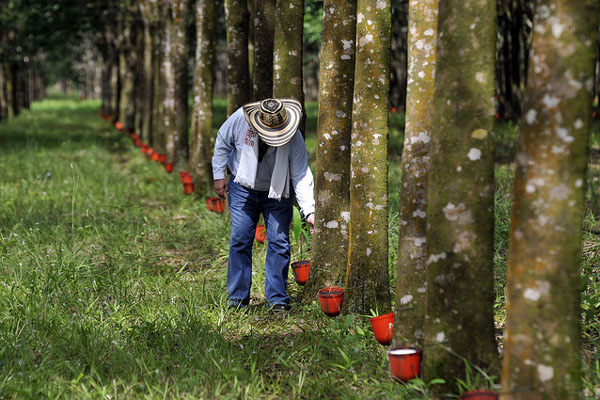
367 280
542 356
334 127
202 140
409 306
459 322
264 28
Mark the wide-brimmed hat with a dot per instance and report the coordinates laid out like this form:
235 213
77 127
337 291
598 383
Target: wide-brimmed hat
274 120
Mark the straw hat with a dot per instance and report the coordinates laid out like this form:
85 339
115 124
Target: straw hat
274 120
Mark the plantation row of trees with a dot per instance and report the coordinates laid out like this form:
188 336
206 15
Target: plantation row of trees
444 291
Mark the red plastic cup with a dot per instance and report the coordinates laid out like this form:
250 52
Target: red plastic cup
155 156
144 148
182 174
169 167
405 363
260 234
162 158
300 270
331 300
383 328
149 153
119 125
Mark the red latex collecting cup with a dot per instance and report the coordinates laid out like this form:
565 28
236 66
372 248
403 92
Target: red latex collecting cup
183 174
261 233
169 167
405 363
155 156
300 270
119 125
383 328
188 184
331 300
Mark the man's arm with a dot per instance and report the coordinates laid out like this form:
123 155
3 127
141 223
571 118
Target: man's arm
224 145
302 178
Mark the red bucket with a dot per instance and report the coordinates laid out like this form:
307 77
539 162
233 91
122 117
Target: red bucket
155 157
261 233
183 174
300 270
479 395
188 184
331 300
162 158
119 125
169 167
144 148
405 363
149 153
383 328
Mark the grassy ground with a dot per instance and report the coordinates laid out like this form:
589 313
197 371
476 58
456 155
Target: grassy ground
112 282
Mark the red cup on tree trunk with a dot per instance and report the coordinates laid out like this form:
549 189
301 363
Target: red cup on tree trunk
119 125
261 233
149 153
479 395
162 158
155 157
144 148
183 174
169 167
138 142
300 270
188 184
133 136
383 328
331 300
405 363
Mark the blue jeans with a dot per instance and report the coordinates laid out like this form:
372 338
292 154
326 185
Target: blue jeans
245 206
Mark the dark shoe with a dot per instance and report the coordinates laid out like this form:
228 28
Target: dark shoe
283 307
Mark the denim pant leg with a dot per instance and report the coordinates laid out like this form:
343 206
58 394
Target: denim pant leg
278 216
245 210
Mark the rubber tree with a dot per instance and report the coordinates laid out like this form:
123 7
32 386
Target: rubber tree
176 69
542 356
160 10
201 137
127 67
367 280
287 53
148 58
459 322
334 128
264 28
412 249
238 72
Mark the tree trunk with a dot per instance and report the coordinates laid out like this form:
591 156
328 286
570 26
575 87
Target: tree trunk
398 64
264 28
542 357
159 81
149 58
460 294
367 281
127 61
10 91
412 249
202 140
238 73
3 102
334 128
114 82
177 71
287 53
141 90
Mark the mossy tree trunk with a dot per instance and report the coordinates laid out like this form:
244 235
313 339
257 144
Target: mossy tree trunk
127 62
460 216
140 87
264 28
238 72
148 59
543 338
176 69
334 127
113 54
367 281
287 53
412 250
202 140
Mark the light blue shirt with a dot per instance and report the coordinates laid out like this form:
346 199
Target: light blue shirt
228 151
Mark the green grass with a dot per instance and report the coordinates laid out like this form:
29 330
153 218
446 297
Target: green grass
112 281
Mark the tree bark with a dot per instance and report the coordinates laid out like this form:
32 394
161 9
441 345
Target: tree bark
412 250
149 59
141 88
238 72
127 61
264 28
160 117
459 322
334 128
287 53
367 281
202 140
176 68
542 357
398 63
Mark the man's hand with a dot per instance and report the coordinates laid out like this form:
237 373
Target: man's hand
311 221
221 187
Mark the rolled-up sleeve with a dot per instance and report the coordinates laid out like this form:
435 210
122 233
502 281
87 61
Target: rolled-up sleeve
301 175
